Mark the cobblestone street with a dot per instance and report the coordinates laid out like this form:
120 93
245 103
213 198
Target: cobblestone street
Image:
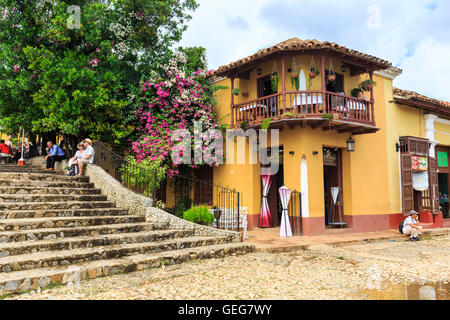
358 271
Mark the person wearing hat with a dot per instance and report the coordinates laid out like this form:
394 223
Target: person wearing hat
87 156
412 227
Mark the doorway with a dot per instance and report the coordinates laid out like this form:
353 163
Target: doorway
273 197
338 85
332 177
264 86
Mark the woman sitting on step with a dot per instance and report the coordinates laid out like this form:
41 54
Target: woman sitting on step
73 162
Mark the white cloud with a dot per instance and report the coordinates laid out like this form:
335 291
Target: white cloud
427 71
234 29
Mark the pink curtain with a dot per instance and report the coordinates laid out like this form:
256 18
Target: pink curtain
265 219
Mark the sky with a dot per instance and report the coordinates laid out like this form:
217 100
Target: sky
413 35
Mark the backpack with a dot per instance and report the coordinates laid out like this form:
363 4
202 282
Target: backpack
400 227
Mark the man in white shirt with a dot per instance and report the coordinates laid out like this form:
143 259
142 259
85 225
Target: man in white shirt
87 156
412 227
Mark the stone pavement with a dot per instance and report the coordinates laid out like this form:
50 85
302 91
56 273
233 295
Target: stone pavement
268 240
389 269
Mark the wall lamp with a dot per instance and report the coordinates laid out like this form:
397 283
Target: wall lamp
350 145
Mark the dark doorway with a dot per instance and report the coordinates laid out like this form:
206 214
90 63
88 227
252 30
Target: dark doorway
332 177
338 85
265 87
274 196
443 193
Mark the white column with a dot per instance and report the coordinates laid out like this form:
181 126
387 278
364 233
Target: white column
304 187
429 131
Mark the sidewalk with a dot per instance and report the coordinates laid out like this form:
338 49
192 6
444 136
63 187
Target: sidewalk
268 240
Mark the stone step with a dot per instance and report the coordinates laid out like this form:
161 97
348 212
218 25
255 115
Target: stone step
55 233
44 184
27 169
91 212
5 207
27 247
74 256
47 190
60 222
23 176
20 281
17 198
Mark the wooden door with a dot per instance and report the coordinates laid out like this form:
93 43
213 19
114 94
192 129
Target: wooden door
407 184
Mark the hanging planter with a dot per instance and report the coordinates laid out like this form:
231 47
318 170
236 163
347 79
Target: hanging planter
367 85
295 79
236 92
274 78
331 77
313 72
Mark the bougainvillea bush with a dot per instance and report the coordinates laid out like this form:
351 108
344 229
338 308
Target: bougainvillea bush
171 101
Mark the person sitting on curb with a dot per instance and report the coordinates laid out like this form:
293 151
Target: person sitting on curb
55 153
87 157
412 227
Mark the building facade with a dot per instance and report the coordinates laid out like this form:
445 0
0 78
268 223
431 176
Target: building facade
308 91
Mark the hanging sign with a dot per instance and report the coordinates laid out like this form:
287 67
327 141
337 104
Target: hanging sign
329 157
419 163
442 159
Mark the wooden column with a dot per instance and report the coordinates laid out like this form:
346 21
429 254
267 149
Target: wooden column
283 81
232 103
324 86
372 99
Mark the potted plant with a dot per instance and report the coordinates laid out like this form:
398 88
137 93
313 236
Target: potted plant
314 72
288 115
366 85
266 123
327 117
245 94
274 81
300 116
331 78
295 80
244 125
236 91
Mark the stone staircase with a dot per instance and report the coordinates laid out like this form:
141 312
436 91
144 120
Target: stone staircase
59 229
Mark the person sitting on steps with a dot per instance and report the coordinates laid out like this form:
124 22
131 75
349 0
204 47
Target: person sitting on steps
87 157
412 227
54 153
73 162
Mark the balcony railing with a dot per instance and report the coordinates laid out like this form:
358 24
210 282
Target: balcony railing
305 105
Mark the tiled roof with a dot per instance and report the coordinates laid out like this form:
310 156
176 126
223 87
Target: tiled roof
295 44
414 96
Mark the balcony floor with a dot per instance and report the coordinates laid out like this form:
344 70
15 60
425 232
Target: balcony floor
342 126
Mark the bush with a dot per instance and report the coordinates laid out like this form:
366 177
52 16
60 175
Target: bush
181 206
200 215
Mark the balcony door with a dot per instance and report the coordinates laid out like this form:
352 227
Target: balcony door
265 86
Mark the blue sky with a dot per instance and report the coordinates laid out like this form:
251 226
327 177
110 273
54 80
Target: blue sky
412 34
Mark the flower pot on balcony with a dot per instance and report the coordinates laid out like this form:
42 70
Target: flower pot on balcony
336 116
245 94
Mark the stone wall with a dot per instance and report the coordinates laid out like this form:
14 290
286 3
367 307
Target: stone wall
137 204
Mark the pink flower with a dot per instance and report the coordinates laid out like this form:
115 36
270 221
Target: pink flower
16 68
98 49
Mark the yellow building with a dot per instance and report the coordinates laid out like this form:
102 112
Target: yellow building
307 89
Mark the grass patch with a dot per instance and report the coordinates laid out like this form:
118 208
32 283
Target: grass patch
340 258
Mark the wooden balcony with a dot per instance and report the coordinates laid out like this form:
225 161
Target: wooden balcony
314 108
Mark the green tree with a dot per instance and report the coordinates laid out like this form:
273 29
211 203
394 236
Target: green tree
79 80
